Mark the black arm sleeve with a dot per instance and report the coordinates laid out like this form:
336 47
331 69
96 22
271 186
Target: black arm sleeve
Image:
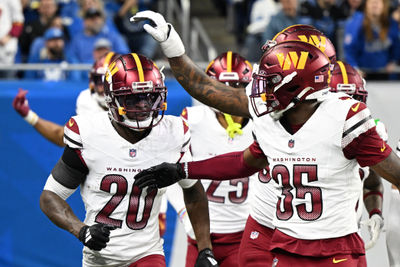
70 171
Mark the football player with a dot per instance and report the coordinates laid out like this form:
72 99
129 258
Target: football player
89 101
214 133
312 141
304 33
347 80
103 153
393 219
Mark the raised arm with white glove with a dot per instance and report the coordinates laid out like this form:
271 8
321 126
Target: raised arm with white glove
163 32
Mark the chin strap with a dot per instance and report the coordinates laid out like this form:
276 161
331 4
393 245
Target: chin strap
233 127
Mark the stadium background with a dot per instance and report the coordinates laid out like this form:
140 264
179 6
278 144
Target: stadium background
28 238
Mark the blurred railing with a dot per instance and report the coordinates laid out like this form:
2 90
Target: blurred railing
198 44
200 37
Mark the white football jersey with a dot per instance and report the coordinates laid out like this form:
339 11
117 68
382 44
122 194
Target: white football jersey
318 186
228 201
86 104
108 192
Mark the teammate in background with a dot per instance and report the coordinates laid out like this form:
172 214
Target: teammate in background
102 154
392 225
347 80
305 33
214 133
312 141
89 101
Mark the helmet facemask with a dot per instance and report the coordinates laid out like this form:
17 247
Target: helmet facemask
97 86
139 107
135 92
96 78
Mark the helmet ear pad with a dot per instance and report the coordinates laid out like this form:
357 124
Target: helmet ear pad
289 73
131 77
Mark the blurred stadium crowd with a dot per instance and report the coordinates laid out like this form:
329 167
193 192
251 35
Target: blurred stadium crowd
364 32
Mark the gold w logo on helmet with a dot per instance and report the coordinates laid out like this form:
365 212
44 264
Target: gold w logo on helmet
286 61
112 69
314 40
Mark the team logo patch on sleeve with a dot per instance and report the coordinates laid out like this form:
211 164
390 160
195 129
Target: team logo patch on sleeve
185 127
72 125
184 114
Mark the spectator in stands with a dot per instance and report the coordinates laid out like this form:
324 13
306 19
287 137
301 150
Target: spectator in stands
73 14
138 40
47 11
322 14
11 21
349 7
284 18
52 52
101 47
29 10
260 15
82 43
371 41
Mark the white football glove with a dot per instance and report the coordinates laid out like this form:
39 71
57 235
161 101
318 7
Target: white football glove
163 32
375 225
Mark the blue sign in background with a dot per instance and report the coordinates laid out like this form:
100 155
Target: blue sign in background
27 236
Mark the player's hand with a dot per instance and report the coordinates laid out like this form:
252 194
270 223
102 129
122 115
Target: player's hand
161 31
159 176
20 103
206 259
375 225
95 236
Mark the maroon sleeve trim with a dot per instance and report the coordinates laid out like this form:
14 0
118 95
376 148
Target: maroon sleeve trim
16 29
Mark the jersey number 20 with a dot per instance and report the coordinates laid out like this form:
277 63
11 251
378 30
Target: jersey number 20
122 188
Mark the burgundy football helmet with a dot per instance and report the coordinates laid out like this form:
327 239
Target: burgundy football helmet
308 34
96 77
230 68
289 72
346 79
135 92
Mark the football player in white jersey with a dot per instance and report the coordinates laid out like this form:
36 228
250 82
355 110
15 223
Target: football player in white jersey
347 80
89 101
393 220
312 140
214 133
104 151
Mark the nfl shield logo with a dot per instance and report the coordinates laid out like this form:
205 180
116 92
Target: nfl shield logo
132 153
254 235
291 143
